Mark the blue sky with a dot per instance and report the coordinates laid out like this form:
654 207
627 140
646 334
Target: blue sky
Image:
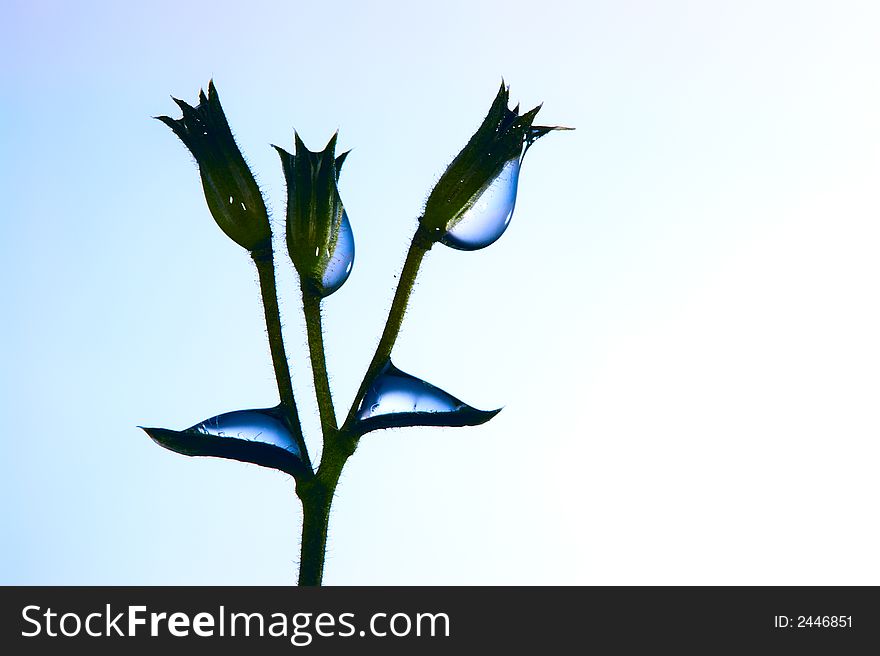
680 321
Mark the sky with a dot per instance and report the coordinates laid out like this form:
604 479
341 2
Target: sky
680 323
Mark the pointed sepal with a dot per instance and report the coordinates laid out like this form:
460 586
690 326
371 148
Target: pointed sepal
502 139
319 235
232 194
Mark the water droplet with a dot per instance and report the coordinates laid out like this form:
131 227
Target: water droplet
397 399
340 261
490 215
251 426
395 391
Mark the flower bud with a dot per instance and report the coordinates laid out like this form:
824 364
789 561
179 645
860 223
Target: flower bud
471 204
233 196
319 236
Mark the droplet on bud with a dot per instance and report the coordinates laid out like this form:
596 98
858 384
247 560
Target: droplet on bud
341 259
487 219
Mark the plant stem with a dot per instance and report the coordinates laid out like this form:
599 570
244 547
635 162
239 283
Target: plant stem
315 332
316 517
317 493
264 260
317 496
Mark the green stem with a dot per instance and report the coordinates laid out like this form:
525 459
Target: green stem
317 493
264 260
317 496
316 517
315 332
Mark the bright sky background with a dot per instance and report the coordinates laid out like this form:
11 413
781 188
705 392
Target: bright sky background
681 322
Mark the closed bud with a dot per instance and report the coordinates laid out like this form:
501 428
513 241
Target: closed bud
319 235
472 203
233 196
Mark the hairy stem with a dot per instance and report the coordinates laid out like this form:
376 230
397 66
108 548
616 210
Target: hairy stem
317 493
264 260
316 517
314 329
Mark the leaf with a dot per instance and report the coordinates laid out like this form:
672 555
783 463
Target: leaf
396 399
261 437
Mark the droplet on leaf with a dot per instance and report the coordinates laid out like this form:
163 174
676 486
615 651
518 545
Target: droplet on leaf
396 399
261 437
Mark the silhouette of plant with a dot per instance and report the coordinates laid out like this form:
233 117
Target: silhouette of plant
468 209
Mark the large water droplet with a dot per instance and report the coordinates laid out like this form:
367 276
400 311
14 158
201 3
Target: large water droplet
490 214
341 259
395 391
260 437
251 426
397 399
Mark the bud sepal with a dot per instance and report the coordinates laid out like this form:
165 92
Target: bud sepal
233 197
